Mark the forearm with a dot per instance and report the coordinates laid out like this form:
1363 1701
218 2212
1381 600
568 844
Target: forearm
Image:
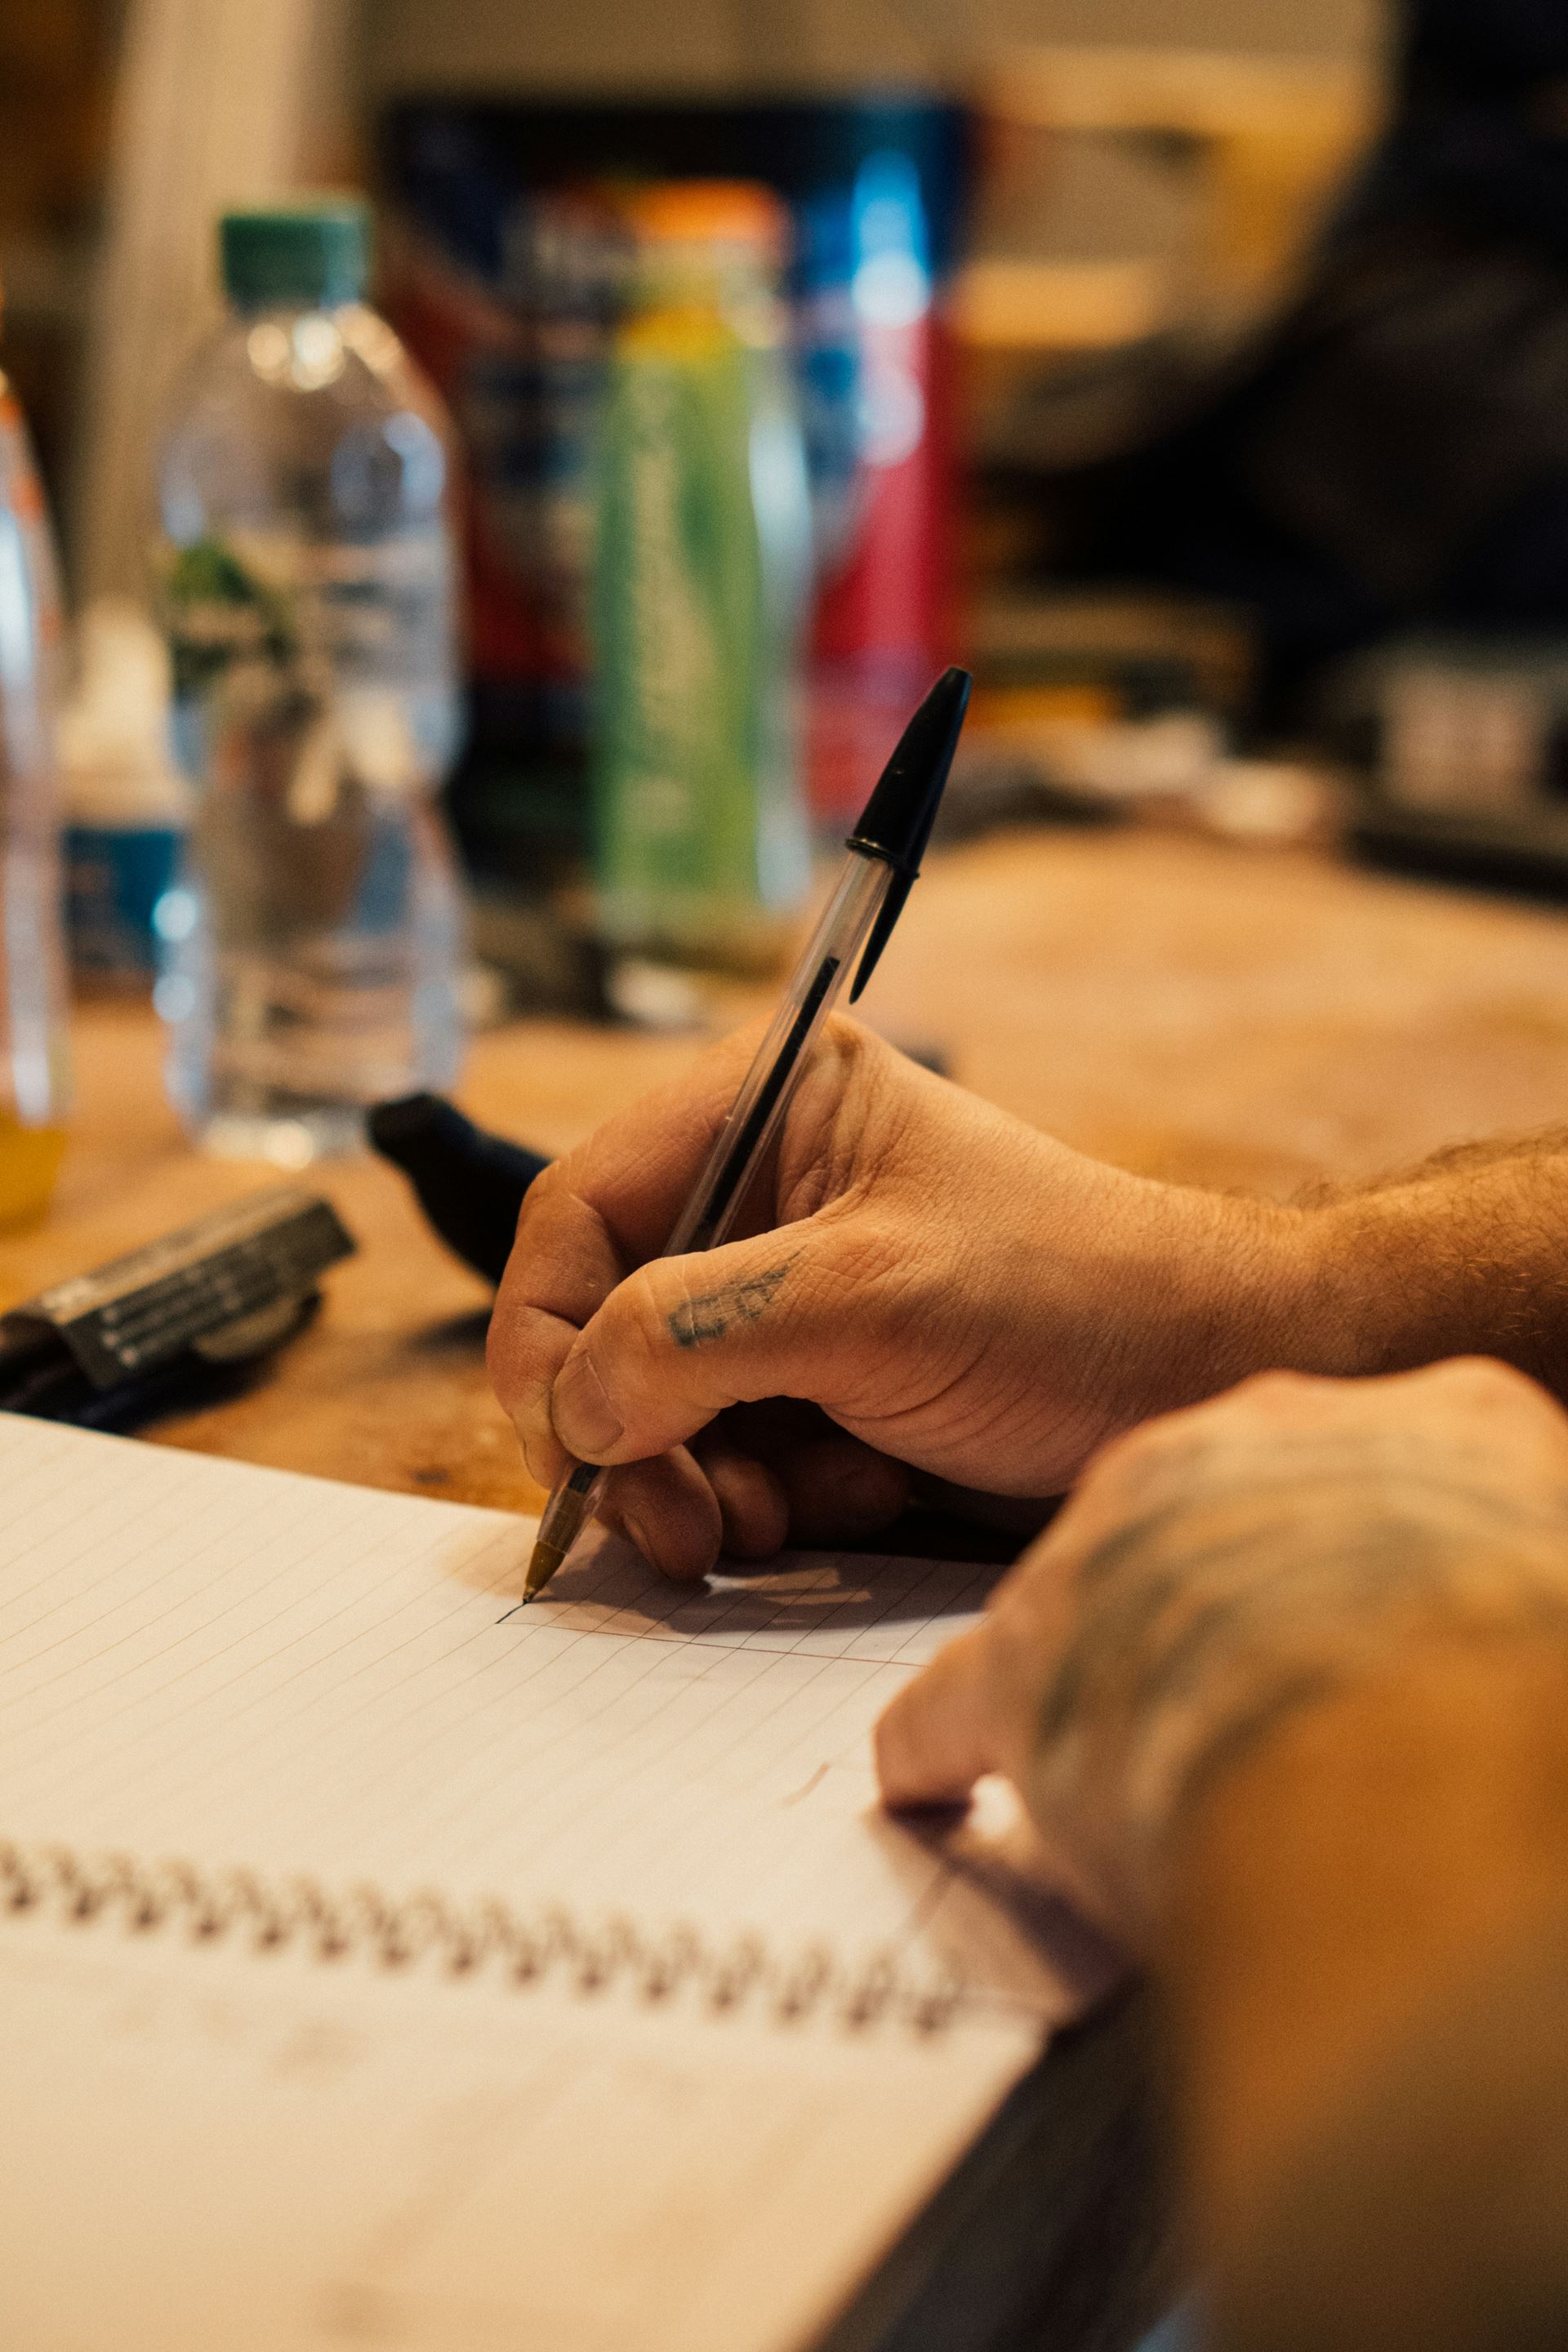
1350 1871
1466 1256
1184 1293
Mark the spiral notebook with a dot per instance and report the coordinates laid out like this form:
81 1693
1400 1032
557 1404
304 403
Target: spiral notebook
384 1965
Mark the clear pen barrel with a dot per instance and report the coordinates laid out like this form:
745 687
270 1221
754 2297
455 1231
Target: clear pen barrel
833 955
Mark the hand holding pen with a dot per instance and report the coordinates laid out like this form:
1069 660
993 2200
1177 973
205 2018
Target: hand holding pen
884 858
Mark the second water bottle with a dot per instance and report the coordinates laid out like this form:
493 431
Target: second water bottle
311 945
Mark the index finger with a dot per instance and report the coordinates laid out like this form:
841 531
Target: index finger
563 1265
637 1171
587 1222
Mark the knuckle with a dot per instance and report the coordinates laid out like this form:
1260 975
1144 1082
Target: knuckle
1483 1379
870 1254
630 1334
1141 1468
1490 1391
504 1358
850 1042
541 1201
523 1351
1279 1389
535 1432
646 1310
870 1274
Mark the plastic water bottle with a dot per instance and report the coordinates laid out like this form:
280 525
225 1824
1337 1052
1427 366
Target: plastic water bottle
311 944
34 1070
701 565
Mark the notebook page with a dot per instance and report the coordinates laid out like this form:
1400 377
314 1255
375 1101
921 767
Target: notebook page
279 2157
203 1659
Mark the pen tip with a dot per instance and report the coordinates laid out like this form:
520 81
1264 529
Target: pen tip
545 1560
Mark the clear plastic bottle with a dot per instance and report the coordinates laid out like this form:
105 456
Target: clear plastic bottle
33 1071
311 945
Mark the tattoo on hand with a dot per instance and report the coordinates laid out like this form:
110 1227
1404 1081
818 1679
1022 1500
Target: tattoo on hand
1208 1621
716 1311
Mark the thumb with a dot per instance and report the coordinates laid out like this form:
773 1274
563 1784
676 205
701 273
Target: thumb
683 1337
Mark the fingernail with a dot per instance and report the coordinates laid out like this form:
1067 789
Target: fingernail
584 1418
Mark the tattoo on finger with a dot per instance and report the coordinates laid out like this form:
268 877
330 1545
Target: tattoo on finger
714 1312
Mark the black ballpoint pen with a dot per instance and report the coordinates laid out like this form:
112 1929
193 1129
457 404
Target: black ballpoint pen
885 852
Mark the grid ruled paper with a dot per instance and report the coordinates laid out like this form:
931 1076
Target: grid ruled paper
244 1667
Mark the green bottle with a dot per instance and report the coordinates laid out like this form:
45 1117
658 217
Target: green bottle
701 566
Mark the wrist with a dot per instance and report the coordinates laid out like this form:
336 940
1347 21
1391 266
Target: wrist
1402 1280
1241 1286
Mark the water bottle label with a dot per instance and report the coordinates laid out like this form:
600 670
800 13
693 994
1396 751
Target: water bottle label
335 658
695 804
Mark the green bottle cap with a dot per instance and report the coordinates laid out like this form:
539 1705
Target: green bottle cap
315 253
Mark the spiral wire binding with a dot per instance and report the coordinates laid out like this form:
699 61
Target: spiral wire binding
549 1947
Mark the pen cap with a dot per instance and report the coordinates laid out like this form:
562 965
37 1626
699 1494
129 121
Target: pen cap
896 821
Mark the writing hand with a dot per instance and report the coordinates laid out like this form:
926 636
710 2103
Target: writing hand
920 1281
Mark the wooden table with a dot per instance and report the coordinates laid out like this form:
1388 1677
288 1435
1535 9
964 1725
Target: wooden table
1217 1016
